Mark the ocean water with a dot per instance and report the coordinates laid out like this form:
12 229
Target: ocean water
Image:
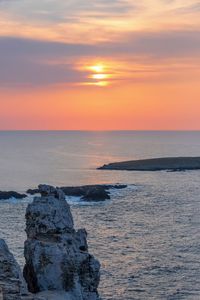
147 237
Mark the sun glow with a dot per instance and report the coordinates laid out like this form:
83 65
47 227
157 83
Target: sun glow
99 68
101 83
98 73
99 76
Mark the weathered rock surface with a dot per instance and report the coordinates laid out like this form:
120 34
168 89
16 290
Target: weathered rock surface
156 164
10 194
56 255
12 283
87 192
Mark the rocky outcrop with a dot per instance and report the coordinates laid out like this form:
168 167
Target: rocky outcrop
11 194
32 191
97 192
87 192
56 255
58 265
12 283
156 164
91 192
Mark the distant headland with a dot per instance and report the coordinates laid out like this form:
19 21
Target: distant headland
156 164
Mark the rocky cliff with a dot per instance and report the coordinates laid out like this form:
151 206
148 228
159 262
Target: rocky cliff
58 264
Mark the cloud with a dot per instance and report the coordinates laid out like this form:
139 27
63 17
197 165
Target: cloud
21 47
160 44
193 8
164 44
59 10
39 63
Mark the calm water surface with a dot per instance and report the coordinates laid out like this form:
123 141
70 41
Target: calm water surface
147 236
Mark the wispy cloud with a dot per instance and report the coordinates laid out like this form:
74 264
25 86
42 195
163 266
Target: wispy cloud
40 63
193 8
43 41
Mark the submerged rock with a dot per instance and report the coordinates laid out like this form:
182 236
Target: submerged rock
11 194
98 192
56 255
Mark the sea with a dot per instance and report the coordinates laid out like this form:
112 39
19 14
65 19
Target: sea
147 236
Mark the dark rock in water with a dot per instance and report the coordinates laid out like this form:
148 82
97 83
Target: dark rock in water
10 194
88 193
156 164
32 191
98 192
56 255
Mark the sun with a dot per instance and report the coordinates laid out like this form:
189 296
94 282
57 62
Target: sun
98 68
99 76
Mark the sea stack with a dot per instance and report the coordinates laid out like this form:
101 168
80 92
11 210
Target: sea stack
56 255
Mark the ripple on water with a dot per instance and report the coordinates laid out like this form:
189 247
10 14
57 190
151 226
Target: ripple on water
146 237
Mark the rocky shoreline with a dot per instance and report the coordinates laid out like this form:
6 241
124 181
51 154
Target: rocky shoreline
11 194
58 264
97 192
156 164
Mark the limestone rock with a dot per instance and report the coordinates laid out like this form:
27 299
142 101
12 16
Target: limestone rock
49 214
56 255
11 280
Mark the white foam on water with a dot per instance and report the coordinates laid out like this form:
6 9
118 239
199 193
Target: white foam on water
72 200
13 200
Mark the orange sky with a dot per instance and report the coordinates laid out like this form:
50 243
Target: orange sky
103 65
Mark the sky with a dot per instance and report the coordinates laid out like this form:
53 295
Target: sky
99 65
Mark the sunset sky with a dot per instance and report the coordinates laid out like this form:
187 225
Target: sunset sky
100 64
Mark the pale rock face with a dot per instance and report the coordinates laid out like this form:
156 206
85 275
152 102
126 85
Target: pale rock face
12 284
49 214
56 255
58 265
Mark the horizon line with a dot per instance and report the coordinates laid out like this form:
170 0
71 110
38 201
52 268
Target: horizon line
99 130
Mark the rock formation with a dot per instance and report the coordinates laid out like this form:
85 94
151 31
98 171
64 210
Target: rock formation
56 255
97 192
12 284
10 194
11 281
156 164
58 265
